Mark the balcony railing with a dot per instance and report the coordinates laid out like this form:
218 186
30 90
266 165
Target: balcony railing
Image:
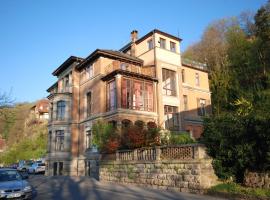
145 70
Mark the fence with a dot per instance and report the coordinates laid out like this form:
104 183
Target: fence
177 152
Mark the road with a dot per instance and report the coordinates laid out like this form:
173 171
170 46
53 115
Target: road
77 188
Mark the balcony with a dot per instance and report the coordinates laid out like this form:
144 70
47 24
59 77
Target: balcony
133 69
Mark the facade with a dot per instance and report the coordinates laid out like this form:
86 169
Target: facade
41 109
145 80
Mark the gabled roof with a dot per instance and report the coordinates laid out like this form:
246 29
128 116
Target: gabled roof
110 54
127 46
66 64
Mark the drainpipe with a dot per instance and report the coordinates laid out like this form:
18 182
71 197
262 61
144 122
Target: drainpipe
155 64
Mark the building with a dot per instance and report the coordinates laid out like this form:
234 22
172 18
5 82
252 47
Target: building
41 109
145 80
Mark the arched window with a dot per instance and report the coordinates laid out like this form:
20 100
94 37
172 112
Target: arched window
151 125
139 123
126 123
61 105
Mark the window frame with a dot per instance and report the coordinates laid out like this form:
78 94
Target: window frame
173 111
172 46
60 110
110 107
197 79
129 100
162 43
169 85
150 44
89 103
59 140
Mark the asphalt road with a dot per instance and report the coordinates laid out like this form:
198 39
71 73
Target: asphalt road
77 188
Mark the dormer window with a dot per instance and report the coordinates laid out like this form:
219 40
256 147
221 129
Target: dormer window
162 42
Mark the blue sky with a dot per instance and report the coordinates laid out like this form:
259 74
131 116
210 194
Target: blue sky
37 36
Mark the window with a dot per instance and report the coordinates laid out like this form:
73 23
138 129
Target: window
90 71
169 82
137 95
88 139
124 66
171 117
185 102
150 44
162 43
172 46
88 104
61 105
197 79
201 107
148 97
183 75
59 140
66 83
111 95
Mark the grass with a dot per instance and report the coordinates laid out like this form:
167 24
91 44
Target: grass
236 190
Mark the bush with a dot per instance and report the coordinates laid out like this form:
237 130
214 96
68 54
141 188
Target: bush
105 137
180 138
237 143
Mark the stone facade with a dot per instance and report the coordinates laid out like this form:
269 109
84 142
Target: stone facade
143 81
257 179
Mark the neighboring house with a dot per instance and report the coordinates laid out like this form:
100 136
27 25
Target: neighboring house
41 109
145 80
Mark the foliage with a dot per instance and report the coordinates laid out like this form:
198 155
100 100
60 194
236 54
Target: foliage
238 142
237 51
105 137
28 147
180 138
236 189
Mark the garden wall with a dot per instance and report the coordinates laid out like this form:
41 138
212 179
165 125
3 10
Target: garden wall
180 168
257 180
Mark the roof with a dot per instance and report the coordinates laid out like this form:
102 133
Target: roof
194 64
66 64
110 54
52 86
127 46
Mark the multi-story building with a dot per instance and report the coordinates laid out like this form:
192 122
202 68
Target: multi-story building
145 80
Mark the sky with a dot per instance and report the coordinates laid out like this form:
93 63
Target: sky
38 36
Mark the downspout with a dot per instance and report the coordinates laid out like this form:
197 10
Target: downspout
155 64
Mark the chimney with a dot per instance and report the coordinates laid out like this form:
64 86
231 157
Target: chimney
134 37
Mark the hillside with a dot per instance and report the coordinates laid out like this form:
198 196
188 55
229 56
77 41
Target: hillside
26 137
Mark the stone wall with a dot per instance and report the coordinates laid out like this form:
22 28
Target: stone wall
257 180
185 175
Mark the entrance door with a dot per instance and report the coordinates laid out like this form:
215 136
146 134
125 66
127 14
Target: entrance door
55 168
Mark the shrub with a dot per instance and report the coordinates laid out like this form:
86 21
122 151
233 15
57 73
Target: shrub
105 137
237 143
180 138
